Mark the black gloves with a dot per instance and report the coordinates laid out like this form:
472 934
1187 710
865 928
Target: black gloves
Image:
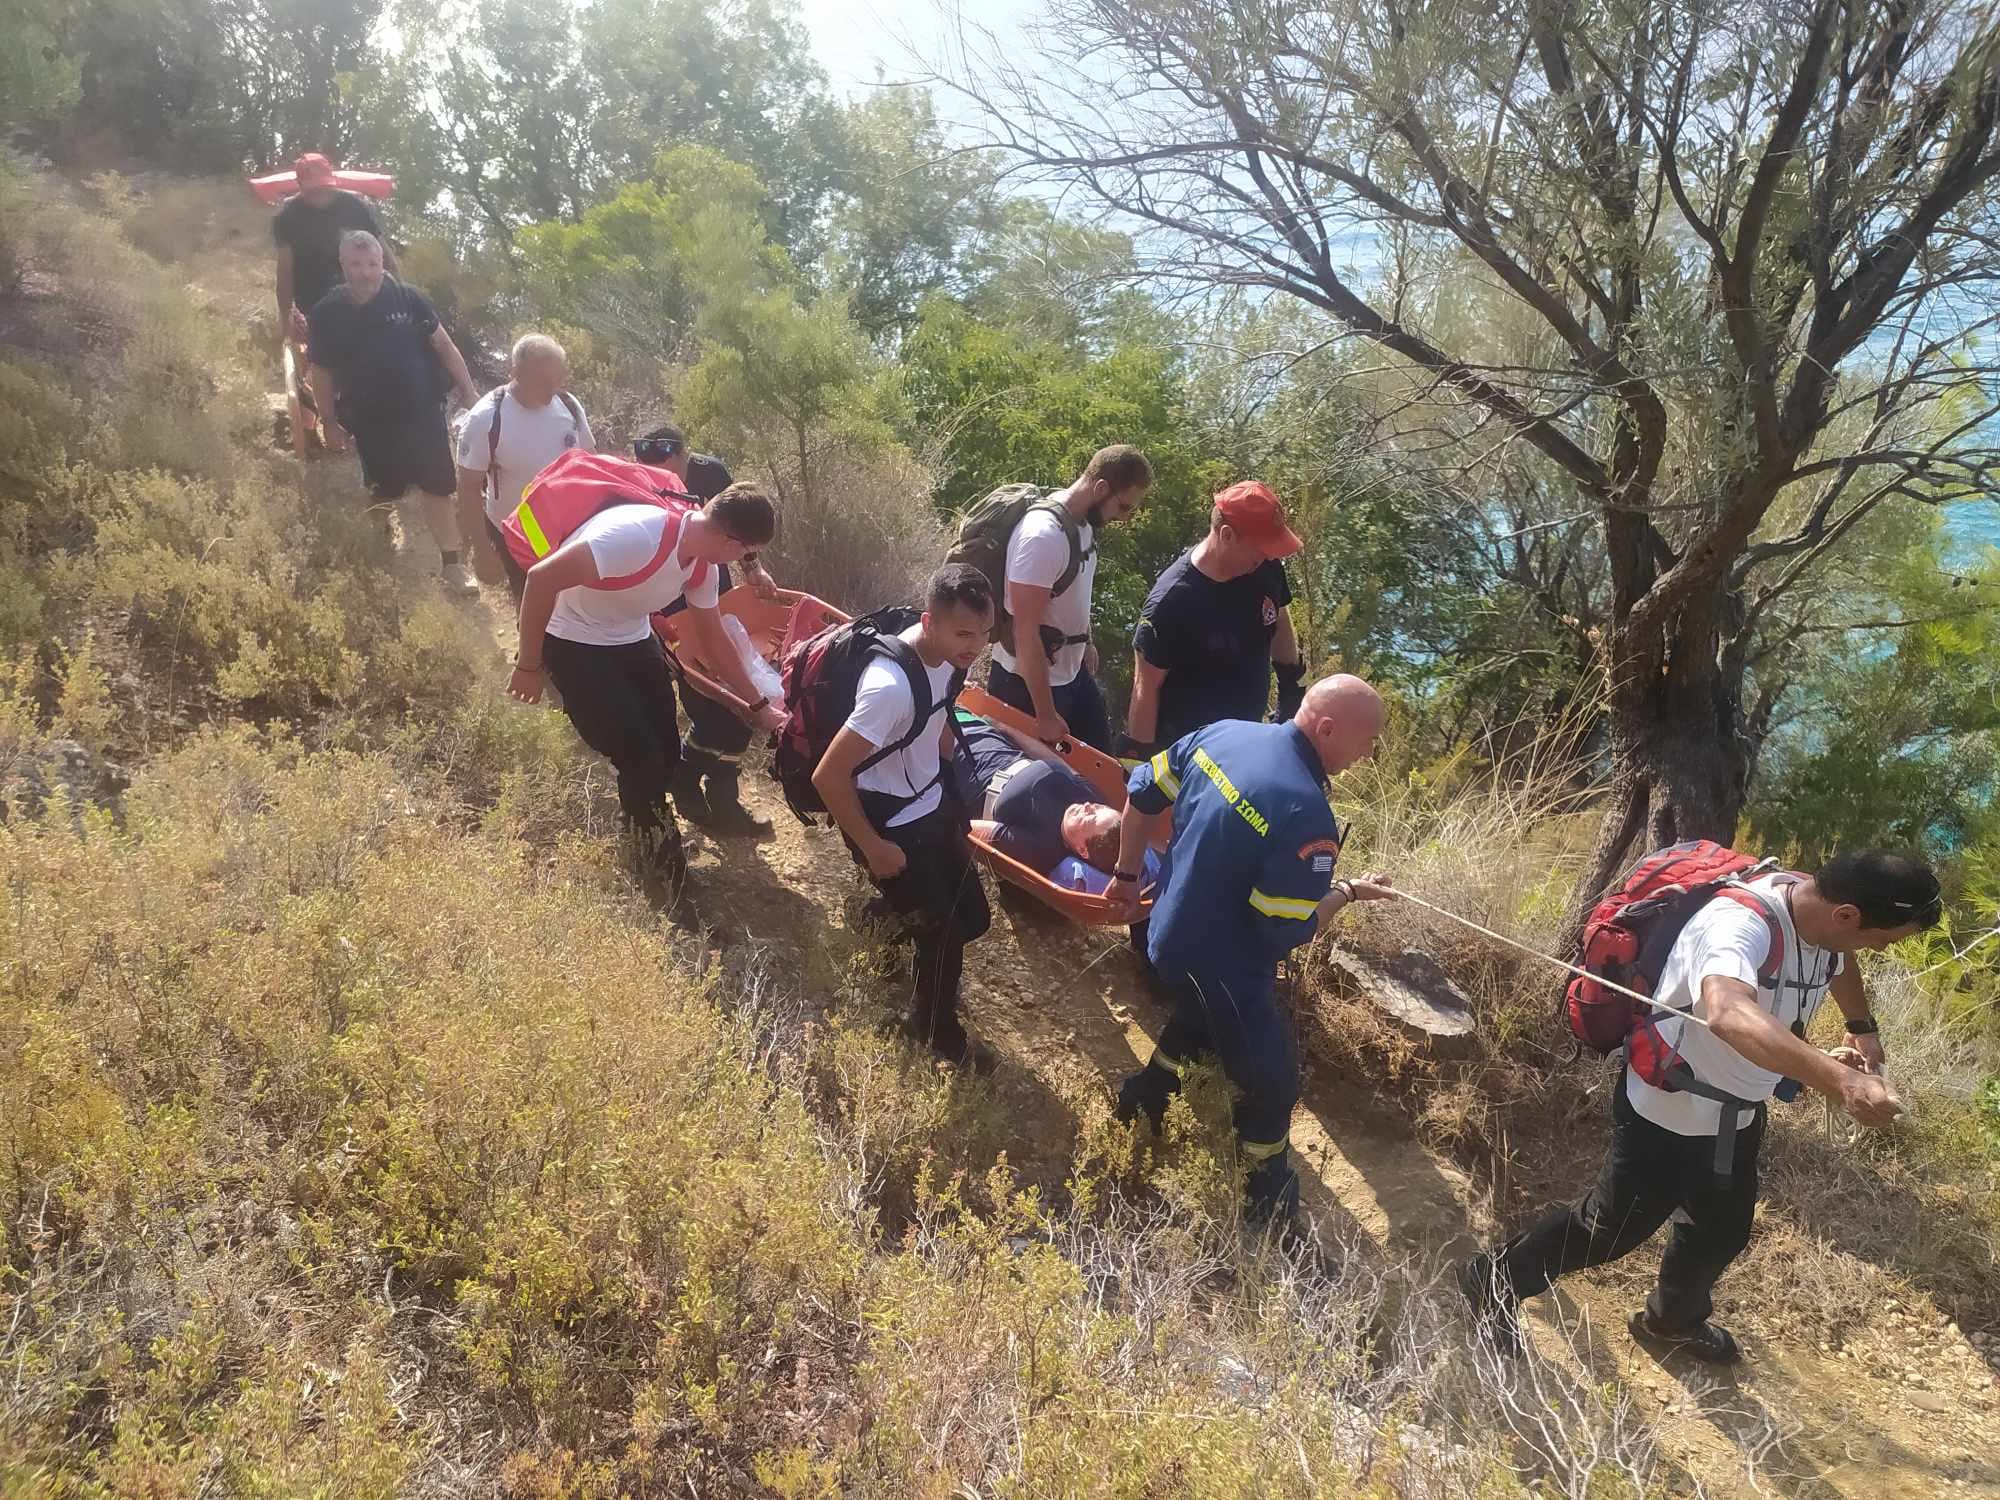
1291 689
1126 748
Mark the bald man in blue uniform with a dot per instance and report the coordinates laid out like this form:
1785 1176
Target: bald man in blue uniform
1247 878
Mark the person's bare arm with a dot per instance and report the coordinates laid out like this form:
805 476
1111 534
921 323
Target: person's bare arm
1730 1007
569 566
1031 661
287 289
454 366
711 642
833 779
1285 642
1853 1002
1142 715
325 393
472 525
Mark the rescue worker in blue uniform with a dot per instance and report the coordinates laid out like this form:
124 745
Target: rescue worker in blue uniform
1248 877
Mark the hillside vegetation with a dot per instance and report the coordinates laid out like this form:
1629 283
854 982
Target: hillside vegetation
365 1134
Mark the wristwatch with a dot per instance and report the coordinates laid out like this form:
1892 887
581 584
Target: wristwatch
1125 875
1866 1026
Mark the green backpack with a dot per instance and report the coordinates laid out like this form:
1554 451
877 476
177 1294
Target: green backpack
983 534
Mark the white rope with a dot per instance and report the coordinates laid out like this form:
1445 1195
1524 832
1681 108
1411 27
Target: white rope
1544 957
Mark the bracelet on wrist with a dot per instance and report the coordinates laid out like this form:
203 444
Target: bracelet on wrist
1125 875
1863 1026
1346 889
521 666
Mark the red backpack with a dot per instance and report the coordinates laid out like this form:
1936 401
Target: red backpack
1627 939
577 485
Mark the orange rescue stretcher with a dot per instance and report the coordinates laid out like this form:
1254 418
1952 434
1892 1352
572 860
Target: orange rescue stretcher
1094 766
773 625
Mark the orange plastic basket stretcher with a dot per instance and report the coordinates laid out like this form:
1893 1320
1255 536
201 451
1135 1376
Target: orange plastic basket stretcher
1094 766
773 625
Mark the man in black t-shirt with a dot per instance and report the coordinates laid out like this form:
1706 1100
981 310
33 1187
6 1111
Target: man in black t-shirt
1213 626
377 358
716 737
307 233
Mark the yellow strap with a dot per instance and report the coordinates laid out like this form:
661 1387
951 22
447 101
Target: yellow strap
1265 1150
532 530
1283 906
1163 775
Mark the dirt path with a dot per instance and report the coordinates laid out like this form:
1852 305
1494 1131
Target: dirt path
1068 1014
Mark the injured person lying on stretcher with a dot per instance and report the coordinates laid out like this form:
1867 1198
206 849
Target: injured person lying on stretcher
1033 808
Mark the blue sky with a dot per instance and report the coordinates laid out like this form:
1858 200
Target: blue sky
853 37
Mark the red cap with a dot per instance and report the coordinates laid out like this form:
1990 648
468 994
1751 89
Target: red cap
313 170
1255 514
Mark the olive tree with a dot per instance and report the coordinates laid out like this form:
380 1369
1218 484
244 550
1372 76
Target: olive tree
1756 245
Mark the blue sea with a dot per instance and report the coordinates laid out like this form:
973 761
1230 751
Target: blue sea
1974 525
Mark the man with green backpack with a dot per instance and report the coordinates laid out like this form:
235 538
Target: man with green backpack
1039 551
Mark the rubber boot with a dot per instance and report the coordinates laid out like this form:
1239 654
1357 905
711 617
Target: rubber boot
685 789
727 816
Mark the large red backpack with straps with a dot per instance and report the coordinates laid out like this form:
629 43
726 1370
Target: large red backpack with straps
577 485
1628 936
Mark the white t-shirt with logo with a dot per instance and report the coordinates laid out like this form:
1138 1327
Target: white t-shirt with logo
1729 939
623 539
1037 553
882 713
530 440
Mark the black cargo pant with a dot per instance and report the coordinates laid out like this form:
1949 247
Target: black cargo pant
621 700
939 898
1651 1175
1237 1021
716 737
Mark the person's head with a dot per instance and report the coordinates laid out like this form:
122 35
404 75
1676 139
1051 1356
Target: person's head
1247 528
665 447
1116 480
737 522
1344 718
538 367
958 613
1090 831
317 184
1867 899
361 263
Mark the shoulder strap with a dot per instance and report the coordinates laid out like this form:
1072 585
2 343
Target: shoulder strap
493 444
1071 534
670 538
575 411
1774 965
904 655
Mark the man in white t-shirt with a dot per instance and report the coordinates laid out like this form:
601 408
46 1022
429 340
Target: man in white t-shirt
537 421
895 814
1671 1154
1057 684
598 647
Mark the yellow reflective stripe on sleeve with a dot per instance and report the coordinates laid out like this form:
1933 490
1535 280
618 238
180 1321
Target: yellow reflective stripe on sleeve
532 530
1265 1150
1164 776
1283 906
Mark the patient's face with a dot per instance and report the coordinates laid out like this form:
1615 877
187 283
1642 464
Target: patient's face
1091 823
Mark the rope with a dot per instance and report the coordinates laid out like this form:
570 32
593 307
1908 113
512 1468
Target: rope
1404 895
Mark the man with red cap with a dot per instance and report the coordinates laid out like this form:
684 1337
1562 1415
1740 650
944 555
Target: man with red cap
307 232
1213 627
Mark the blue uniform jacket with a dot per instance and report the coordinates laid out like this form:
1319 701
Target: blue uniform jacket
1252 852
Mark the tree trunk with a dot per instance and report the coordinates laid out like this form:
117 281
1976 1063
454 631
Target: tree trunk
1680 762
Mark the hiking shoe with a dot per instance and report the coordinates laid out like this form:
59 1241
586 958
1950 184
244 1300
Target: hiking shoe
1705 1341
948 1041
728 817
685 789
1496 1316
457 579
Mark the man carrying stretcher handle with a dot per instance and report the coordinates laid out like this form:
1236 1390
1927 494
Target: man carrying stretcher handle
1248 877
598 646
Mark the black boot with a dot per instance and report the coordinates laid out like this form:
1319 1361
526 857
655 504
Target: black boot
659 863
1146 1093
685 789
939 1030
727 816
